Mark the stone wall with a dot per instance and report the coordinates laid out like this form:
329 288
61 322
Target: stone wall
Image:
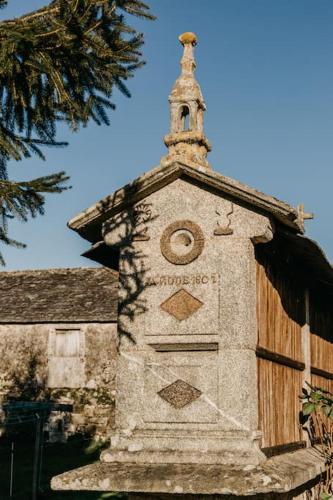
28 358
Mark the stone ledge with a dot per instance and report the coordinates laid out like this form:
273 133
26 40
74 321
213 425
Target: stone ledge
277 475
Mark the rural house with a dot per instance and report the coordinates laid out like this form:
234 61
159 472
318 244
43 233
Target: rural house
58 341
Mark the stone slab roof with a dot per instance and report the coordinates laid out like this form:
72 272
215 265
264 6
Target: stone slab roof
58 295
88 223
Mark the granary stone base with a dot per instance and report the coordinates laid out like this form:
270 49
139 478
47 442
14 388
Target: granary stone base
171 447
285 477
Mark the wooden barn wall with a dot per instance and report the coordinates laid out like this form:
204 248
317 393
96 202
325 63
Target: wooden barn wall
279 406
280 309
321 328
280 318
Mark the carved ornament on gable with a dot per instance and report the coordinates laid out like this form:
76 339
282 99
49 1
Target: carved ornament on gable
182 242
142 214
223 223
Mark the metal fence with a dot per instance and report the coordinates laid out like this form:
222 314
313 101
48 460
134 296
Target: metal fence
24 422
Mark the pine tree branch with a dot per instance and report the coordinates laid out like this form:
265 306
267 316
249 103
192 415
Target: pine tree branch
25 199
42 12
90 32
59 64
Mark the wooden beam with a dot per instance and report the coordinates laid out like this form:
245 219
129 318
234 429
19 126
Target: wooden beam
321 373
261 352
283 448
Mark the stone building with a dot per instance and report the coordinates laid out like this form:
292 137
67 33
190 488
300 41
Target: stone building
58 341
224 312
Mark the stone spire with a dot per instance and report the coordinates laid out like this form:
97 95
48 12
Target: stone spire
186 140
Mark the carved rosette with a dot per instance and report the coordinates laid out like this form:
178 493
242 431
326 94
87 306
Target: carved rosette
182 242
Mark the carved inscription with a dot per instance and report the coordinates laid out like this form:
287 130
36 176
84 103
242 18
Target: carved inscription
182 242
179 280
181 305
179 394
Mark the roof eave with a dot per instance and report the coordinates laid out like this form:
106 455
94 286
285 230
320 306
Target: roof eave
161 176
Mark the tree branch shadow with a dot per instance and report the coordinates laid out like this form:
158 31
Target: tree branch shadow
127 233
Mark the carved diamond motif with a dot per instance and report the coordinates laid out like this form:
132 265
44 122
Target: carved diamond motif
179 394
181 305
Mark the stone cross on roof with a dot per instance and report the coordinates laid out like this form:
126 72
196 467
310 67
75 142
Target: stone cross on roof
186 140
302 216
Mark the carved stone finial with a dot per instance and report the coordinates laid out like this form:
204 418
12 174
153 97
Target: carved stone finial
188 41
187 141
188 37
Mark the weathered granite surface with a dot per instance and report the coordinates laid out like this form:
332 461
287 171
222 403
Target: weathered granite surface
158 347
278 475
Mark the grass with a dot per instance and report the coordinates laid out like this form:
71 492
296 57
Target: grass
57 458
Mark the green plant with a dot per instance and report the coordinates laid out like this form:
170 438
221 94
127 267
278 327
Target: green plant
317 411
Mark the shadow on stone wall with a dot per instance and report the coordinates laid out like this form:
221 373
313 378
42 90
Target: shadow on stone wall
30 383
123 233
26 384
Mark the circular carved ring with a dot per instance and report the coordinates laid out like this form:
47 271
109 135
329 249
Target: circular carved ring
182 242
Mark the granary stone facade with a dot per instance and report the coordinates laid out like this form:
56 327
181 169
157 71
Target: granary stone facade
58 341
219 327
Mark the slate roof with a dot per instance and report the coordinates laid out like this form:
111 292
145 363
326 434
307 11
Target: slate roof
58 295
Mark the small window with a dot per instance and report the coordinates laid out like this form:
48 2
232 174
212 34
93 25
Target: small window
185 118
66 359
67 343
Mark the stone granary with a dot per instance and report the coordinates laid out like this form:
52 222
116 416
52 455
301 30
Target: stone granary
58 340
224 311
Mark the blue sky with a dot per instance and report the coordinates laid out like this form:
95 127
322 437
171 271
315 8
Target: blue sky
265 69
